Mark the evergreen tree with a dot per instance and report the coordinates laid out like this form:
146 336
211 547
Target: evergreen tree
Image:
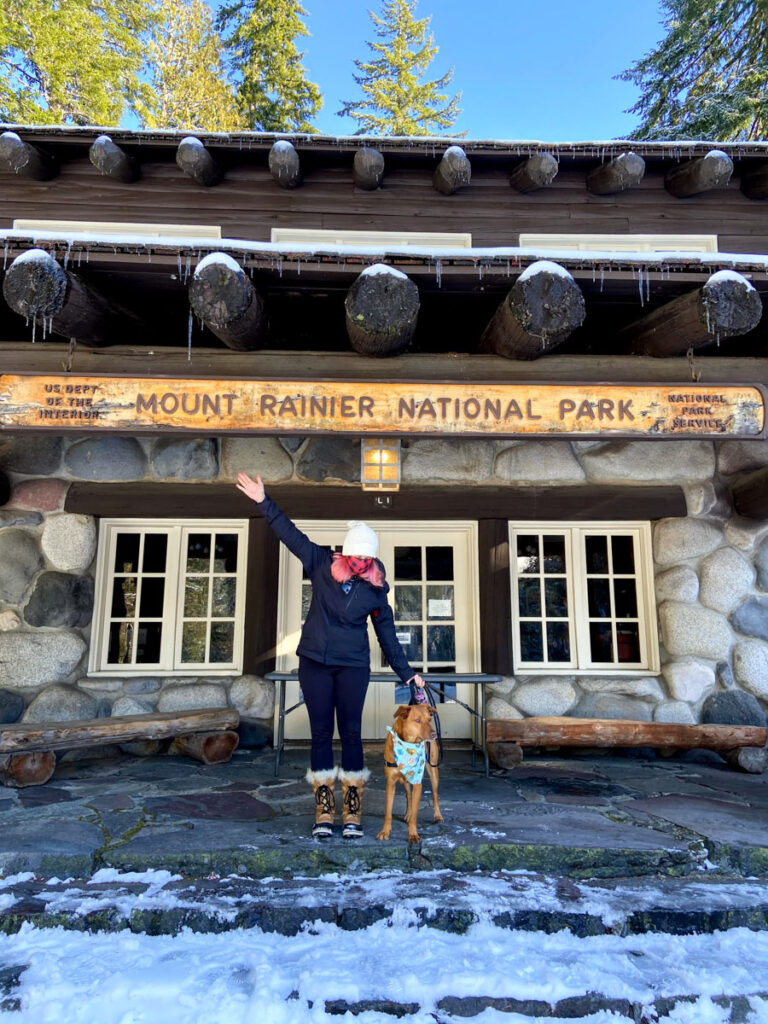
273 94
71 61
708 78
397 100
187 77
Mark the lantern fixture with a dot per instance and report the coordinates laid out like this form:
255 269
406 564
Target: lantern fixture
380 463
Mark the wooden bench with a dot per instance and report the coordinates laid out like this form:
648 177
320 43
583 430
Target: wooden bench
27 750
740 745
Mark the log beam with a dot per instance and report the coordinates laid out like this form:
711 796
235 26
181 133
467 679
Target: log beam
38 288
543 307
750 494
32 768
19 157
284 164
754 183
112 161
382 308
368 169
713 170
616 175
726 306
197 163
453 172
618 732
222 296
207 747
537 171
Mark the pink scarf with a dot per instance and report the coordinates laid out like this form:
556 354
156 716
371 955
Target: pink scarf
342 573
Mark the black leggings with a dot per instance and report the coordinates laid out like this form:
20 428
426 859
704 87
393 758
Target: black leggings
339 688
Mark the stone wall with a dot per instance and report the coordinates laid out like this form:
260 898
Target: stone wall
711 582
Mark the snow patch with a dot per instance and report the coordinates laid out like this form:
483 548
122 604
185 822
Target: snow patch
191 140
151 876
381 268
283 146
544 267
730 275
218 259
34 256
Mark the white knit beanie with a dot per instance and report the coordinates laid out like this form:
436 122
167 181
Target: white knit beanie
360 540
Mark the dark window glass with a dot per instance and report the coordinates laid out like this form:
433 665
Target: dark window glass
599 596
407 603
601 641
623 555
554 554
527 554
120 643
440 563
628 641
529 597
148 643
199 552
127 552
152 593
155 551
445 691
225 553
558 641
597 554
441 643
531 643
556 598
408 563
123 597
625 598
222 641
410 638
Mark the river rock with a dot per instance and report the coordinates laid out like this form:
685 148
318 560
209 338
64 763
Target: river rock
9 620
46 495
732 708
539 462
141 686
741 456
330 459
60 599
19 517
20 561
69 541
503 688
702 498
190 698
689 679
612 705
454 460
750 666
726 576
678 540
644 688
182 459
751 618
725 675
688 630
252 455
675 712
549 696
59 703
11 707
632 462
761 564
29 660
253 696
107 458
33 453
497 707
680 583
744 533
125 706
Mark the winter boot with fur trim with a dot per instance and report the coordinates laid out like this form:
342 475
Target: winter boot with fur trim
352 786
325 804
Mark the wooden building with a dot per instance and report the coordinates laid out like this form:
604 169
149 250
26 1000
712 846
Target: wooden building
552 360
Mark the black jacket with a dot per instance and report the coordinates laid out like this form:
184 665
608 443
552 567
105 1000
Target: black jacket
335 631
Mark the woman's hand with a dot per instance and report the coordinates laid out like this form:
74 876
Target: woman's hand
253 489
418 681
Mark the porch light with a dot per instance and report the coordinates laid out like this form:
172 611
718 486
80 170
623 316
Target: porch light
380 464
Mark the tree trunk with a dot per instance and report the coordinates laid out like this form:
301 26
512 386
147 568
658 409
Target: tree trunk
727 305
618 732
222 296
537 171
700 175
36 286
453 172
284 164
19 157
382 308
197 163
616 175
33 768
208 747
542 308
113 161
368 168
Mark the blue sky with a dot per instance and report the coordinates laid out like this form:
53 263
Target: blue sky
526 70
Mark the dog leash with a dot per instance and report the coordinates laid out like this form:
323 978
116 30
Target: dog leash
422 695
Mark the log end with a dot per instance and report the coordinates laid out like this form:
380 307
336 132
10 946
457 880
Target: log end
537 171
32 768
112 161
19 157
382 309
713 170
729 305
220 290
197 163
284 164
617 175
368 169
35 285
453 172
546 302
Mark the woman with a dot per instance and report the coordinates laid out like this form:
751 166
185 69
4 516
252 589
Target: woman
334 655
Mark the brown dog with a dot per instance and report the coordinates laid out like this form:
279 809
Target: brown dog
413 725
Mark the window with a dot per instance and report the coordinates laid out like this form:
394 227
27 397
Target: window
622 243
582 598
170 596
110 227
323 236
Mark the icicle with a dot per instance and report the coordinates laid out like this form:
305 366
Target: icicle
640 283
66 255
189 337
79 257
480 271
178 264
5 255
34 325
298 269
602 278
87 255
439 273
280 267
647 284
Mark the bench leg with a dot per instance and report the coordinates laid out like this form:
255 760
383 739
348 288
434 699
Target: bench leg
208 747
33 768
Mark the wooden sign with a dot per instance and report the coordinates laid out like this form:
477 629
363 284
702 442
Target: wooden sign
85 404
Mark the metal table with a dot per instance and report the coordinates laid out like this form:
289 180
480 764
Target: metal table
477 679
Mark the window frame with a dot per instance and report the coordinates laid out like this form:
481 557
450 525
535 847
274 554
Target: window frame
582 242
581 662
172 618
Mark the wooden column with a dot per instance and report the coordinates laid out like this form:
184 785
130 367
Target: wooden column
750 494
222 296
726 306
382 308
453 172
693 177
37 287
616 175
113 161
542 308
284 164
368 168
27 769
19 157
197 163
538 171
754 182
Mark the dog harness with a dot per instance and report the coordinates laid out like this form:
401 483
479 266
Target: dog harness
410 758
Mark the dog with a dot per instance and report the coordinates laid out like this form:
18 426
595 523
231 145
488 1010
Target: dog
413 725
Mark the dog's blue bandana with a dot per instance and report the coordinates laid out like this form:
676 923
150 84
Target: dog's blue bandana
410 758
